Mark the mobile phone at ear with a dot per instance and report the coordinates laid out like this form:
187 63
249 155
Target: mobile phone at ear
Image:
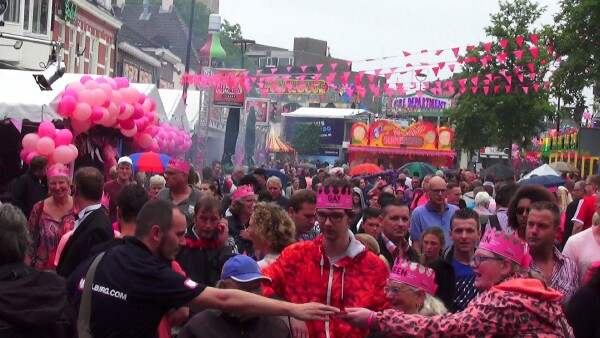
220 228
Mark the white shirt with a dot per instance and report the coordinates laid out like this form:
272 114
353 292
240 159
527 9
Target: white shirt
84 213
584 250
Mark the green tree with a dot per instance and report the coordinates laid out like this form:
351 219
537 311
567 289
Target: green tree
504 118
230 33
577 42
306 138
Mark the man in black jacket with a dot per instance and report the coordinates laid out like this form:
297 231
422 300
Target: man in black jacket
32 303
578 193
92 225
453 273
31 187
395 222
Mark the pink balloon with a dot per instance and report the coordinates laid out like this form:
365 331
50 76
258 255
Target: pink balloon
127 124
141 98
129 132
138 111
152 130
80 126
63 154
82 112
46 129
23 154
150 116
116 97
106 89
91 85
76 86
71 92
145 141
121 82
155 148
97 113
30 156
146 106
129 94
101 80
98 97
112 83
30 141
74 151
63 137
67 106
152 104
85 96
105 120
45 146
127 113
84 79
113 110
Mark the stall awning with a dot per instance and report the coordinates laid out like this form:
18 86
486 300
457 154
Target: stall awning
174 108
332 113
276 145
398 151
22 99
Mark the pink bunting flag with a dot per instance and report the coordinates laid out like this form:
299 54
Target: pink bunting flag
470 48
259 71
550 49
438 84
509 79
519 54
486 89
406 53
534 52
388 75
451 91
525 89
371 78
357 79
474 89
18 124
408 65
426 85
532 76
501 58
330 77
448 84
393 69
413 85
302 77
418 71
547 85
419 93
519 41
455 51
487 46
451 67
536 87
484 61
273 70
507 88
377 72
503 44
488 76
534 38
475 80
441 65
531 66
333 65
435 70
517 69
439 51
520 76
317 77
263 92
349 63
374 89
289 69
360 75
462 82
303 68
496 89
401 91
319 66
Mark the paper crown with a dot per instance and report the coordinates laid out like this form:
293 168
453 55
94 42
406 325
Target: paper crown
334 198
414 274
243 191
179 165
57 169
506 245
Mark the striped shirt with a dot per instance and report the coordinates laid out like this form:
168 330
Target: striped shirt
565 276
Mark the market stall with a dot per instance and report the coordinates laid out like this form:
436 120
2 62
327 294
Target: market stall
385 143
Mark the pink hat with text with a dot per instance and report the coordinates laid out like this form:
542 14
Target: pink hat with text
180 165
243 191
506 245
414 274
329 197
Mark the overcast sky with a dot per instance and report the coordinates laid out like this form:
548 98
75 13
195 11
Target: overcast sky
359 29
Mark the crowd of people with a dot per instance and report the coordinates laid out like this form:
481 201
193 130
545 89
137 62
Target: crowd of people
290 252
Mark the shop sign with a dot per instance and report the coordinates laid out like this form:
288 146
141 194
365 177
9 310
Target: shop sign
387 134
226 95
69 11
415 103
300 87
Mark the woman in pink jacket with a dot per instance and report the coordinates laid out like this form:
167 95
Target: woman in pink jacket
512 302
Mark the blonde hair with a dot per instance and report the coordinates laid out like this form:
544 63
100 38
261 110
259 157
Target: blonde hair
432 306
564 198
274 226
369 242
158 180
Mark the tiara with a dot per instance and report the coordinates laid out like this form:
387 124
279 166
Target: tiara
329 197
414 274
243 191
506 245
57 170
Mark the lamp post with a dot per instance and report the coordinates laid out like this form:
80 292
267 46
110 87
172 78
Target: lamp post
243 43
421 77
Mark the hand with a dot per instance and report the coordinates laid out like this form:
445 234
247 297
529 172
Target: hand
223 234
357 317
312 311
245 235
299 328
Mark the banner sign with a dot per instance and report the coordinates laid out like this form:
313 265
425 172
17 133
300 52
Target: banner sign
260 107
332 130
414 103
387 134
227 93
301 87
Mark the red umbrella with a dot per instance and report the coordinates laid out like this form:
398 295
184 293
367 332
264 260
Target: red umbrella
149 162
368 168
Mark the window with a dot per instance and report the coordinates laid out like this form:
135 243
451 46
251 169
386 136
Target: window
262 62
13 11
61 30
93 56
284 62
72 48
36 16
81 49
272 62
107 61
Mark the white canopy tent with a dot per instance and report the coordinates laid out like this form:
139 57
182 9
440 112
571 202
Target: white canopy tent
331 113
175 108
21 98
544 170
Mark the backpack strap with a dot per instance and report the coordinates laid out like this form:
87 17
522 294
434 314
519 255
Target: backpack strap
85 308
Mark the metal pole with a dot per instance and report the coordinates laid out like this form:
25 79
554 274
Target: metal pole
243 49
558 115
189 52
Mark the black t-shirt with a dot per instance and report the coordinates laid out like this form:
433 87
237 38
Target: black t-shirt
132 291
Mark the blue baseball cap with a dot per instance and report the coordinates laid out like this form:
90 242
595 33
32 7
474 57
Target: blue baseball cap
242 268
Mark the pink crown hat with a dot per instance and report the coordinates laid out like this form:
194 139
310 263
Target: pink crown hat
243 191
329 197
506 245
58 169
180 165
414 274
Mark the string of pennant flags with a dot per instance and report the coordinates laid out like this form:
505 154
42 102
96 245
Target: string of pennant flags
524 78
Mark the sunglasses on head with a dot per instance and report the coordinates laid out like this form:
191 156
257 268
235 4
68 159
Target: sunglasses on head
521 210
